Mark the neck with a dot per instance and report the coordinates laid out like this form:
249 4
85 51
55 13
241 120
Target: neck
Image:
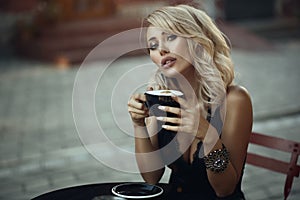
191 78
185 82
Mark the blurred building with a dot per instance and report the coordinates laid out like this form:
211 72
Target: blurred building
67 30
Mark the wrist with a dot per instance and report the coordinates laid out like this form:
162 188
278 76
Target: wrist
140 132
140 123
217 160
135 125
211 143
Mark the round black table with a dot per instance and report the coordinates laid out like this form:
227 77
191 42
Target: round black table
88 192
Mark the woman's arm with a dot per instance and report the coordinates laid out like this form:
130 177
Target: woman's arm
236 131
148 158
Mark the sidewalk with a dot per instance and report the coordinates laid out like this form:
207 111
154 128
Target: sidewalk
40 149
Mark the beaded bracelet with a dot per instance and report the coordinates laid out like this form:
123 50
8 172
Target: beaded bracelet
217 160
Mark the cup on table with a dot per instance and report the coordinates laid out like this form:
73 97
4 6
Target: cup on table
156 98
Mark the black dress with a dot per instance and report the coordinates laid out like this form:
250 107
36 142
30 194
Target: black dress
189 181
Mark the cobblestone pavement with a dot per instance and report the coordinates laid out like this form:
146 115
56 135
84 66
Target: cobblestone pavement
40 149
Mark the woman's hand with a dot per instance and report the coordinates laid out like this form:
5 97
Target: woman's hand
137 109
188 121
136 106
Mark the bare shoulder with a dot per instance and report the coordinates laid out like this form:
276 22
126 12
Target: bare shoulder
238 117
238 95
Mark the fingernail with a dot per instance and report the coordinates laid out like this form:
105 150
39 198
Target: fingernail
159 118
161 107
164 126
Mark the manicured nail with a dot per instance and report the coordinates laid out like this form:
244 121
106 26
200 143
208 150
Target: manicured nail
161 107
160 118
164 126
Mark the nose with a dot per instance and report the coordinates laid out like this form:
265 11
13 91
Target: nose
163 50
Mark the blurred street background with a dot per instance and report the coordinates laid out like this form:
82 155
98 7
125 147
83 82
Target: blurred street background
43 43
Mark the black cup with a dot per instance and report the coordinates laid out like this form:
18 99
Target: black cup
155 98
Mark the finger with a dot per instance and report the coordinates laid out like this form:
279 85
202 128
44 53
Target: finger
154 87
171 128
179 129
137 101
172 120
150 88
140 97
137 111
138 116
136 105
169 109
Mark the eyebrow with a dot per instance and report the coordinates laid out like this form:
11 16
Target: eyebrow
153 38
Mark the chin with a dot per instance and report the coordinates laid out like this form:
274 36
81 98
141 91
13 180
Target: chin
171 72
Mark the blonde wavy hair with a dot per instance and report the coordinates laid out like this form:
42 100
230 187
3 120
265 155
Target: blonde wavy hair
207 47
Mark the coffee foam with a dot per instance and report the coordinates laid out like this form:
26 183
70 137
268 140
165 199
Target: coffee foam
165 93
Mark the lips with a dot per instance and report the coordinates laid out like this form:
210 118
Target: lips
168 62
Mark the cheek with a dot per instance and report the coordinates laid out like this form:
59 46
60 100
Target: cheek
181 49
155 58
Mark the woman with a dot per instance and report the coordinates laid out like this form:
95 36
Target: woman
184 42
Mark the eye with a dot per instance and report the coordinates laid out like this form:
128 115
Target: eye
153 45
171 37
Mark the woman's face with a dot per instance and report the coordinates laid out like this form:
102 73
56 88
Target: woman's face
169 52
